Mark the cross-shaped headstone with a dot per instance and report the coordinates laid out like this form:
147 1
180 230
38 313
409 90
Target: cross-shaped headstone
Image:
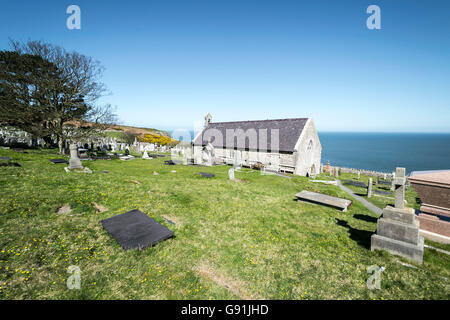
399 184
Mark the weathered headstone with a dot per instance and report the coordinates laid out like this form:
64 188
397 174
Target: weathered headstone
74 162
231 174
399 183
359 175
145 155
369 188
398 228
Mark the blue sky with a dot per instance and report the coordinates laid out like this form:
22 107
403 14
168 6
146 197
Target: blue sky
168 63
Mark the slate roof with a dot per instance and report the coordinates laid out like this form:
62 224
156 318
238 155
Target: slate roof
289 131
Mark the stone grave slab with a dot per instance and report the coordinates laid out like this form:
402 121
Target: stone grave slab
135 230
126 158
384 182
55 161
382 193
169 163
318 198
207 175
355 183
5 158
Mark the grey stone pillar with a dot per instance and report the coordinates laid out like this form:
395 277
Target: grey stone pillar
399 183
369 188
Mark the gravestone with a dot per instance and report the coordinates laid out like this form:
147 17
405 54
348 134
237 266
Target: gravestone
359 175
355 183
399 182
5 158
207 175
127 151
55 161
381 193
318 198
231 174
369 188
74 162
136 230
145 155
398 228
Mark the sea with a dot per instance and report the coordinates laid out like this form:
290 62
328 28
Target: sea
384 152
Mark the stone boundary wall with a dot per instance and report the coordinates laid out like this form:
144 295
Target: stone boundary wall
362 171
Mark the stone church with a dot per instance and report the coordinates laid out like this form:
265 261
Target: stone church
281 145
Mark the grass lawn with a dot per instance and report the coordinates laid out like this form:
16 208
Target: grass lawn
232 239
379 201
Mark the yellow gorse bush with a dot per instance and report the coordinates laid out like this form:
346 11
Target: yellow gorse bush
156 139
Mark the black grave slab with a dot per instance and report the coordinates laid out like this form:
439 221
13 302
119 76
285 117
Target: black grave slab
169 163
135 230
355 183
383 193
55 161
385 182
207 175
5 158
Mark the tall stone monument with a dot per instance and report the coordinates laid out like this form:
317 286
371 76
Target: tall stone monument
369 188
398 228
74 162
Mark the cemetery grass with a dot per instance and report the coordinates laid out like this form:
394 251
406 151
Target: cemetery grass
233 240
380 201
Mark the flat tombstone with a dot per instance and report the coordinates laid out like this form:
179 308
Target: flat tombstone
135 230
55 161
318 198
5 158
381 193
355 183
207 175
